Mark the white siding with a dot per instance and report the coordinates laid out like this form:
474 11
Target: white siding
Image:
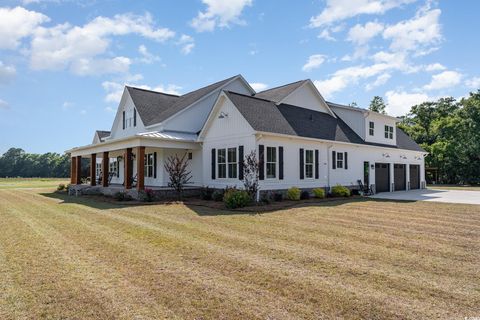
192 119
306 97
126 104
354 119
379 132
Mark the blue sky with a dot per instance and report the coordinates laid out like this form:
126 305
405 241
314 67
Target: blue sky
63 64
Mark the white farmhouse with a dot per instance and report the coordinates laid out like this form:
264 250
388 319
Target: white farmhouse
300 139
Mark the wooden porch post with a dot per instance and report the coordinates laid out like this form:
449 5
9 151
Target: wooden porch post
78 171
93 167
105 163
140 168
73 170
128 168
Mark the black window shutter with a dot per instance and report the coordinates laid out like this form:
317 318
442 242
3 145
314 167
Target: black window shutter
134 117
240 162
155 165
261 162
118 168
213 163
345 157
302 164
316 164
123 117
280 163
334 160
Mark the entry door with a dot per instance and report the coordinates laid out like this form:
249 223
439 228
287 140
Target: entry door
399 176
382 177
414 176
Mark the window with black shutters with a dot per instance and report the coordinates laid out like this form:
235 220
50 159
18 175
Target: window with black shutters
222 163
149 165
339 160
271 162
232 162
308 163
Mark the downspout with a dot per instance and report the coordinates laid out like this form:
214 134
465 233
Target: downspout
329 148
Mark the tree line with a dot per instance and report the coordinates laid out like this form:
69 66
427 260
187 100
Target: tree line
449 130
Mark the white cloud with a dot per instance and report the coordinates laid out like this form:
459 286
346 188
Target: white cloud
17 23
325 34
114 91
473 83
381 80
258 86
422 31
67 105
187 43
78 48
360 35
7 73
219 13
338 10
400 102
314 61
147 57
434 67
4 105
443 80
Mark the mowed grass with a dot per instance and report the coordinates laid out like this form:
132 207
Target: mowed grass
25 183
73 258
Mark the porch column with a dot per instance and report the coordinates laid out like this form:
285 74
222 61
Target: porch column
93 167
73 170
140 168
128 168
78 170
105 162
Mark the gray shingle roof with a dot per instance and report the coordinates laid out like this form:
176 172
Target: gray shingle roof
154 107
267 116
277 94
103 134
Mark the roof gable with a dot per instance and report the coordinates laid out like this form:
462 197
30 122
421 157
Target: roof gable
279 93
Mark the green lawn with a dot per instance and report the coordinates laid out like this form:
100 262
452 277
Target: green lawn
453 187
16 183
73 258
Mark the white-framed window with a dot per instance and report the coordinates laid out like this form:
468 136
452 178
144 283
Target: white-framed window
222 163
149 165
371 128
340 160
232 162
388 132
113 167
309 163
98 169
271 162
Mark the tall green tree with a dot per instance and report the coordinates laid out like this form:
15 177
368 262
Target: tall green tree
378 105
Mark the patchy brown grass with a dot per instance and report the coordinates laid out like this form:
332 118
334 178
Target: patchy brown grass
76 258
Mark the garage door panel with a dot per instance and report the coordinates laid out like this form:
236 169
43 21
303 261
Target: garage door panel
382 177
414 176
399 177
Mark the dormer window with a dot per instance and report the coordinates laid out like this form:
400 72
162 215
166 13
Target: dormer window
388 132
371 128
130 119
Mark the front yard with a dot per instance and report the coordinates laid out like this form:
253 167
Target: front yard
66 257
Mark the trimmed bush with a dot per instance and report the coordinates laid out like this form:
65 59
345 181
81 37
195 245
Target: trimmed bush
206 193
266 197
340 191
147 195
305 195
278 196
293 194
236 198
121 196
319 193
217 195
61 187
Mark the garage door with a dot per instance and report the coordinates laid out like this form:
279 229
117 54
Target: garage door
382 177
414 176
399 177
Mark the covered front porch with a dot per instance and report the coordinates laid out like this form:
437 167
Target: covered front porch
133 163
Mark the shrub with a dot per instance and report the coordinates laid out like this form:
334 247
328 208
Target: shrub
319 193
121 196
236 198
340 191
266 197
293 194
217 195
206 193
305 195
147 195
278 196
61 187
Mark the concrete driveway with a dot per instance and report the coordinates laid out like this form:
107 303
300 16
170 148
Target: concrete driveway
451 196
